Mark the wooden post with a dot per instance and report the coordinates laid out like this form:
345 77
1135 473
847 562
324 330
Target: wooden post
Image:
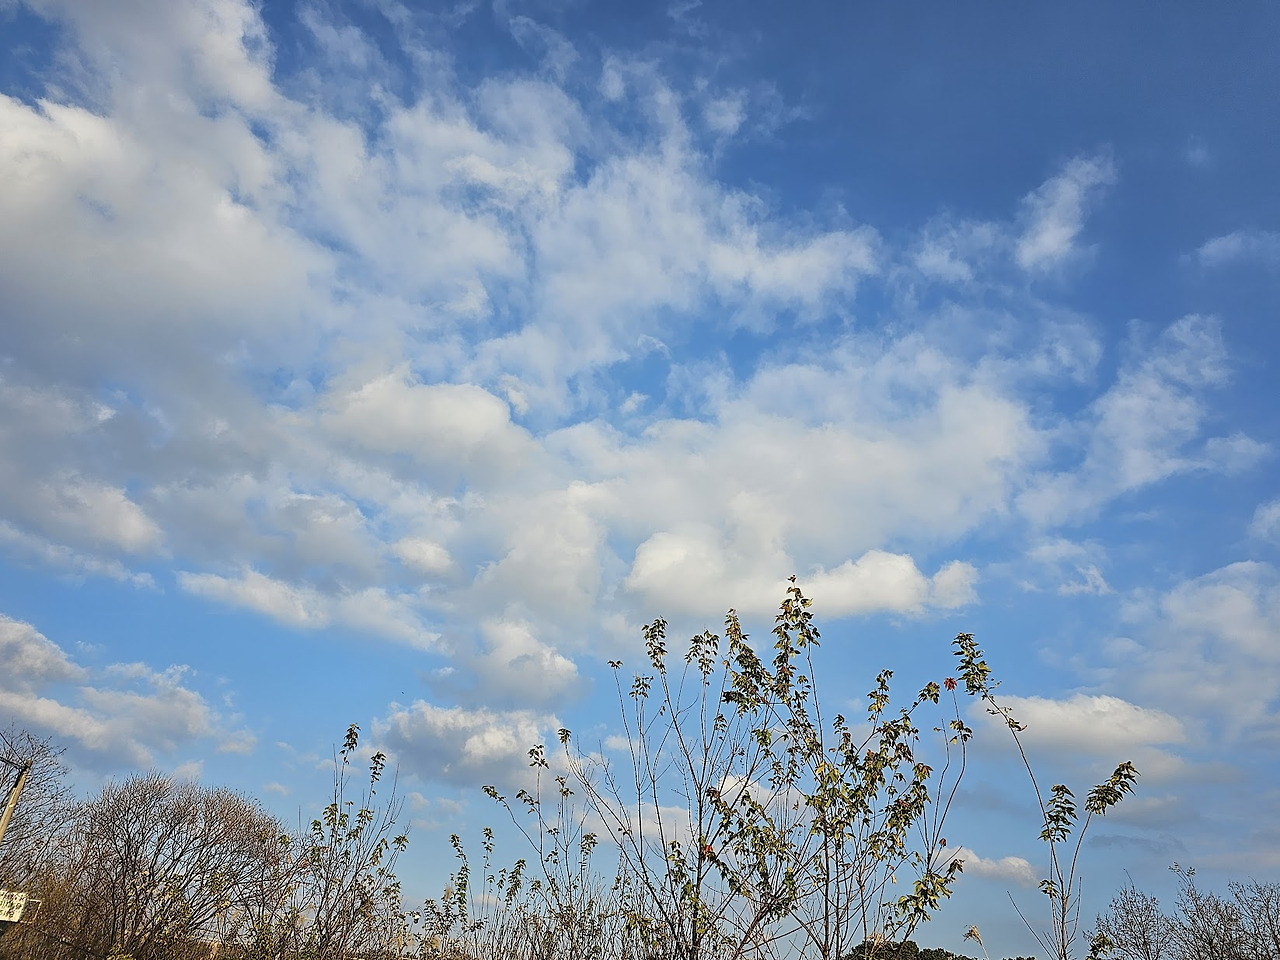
13 799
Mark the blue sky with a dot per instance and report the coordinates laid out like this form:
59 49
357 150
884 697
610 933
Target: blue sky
383 363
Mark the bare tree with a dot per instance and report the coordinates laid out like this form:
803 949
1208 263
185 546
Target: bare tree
156 863
1259 905
41 817
1136 927
1205 926
1209 927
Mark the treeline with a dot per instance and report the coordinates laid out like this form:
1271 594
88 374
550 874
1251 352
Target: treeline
908 950
154 867
1243 925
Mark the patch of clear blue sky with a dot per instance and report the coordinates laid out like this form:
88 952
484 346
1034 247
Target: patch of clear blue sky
30 43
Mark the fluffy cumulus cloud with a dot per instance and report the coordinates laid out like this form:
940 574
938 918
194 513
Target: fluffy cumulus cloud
1201 651
463 430
459 427
1238 605
33 659
1004 869
262 594
1094 725
123 712
516 665
463 746
1079 739
698 573
880 581
58 503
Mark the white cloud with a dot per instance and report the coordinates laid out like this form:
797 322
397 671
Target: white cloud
62 557
124 712
692 571
49 503
190 770
152 710
1012 869
724 115
149 219
465 747
552 556
1074 568
225 41
1241 246
1043 237
1265 524
390 445
241 742
1094 725
1091 582
373 609
1144 428
278 600
1233 454
104 514
1238 605
804 473
935 260
325 530
446 424
1205 650
556 53
956 252
318 322
1055 212
876 581
382 613
425 556
514 664
953 585
879 581
31 659
688 571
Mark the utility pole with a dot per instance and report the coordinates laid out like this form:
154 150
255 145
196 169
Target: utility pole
14 793
12 903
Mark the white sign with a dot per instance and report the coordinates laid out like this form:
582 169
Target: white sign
12 903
